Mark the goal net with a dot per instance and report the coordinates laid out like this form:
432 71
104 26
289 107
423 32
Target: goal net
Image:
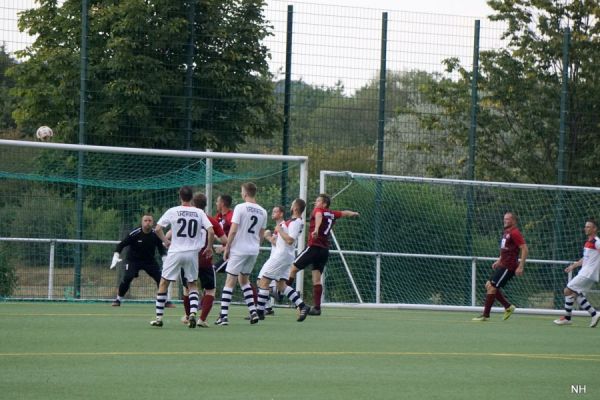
64 207
431 242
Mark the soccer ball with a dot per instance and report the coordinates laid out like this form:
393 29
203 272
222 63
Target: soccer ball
44 133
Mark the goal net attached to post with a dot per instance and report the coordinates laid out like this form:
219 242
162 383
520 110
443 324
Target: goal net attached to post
429 243
63 207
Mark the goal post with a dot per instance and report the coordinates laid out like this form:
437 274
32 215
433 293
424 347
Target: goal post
429 243
39 205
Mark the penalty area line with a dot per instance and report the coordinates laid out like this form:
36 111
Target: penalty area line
571 357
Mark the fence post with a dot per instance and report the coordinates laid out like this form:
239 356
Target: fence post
81 158
382 84
560 162
474 103
472 141
564 93
189 74
380 142
287 102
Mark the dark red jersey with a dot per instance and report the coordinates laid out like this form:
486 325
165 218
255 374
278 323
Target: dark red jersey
329 217
225 221
509 248
203 261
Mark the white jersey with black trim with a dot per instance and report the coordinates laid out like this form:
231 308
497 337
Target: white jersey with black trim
292 227
188 225
590 268
250 218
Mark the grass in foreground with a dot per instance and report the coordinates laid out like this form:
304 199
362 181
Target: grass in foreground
94 351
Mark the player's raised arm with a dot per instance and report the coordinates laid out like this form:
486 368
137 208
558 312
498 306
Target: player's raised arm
349 213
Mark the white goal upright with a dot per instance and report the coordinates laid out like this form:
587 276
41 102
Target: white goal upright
429 243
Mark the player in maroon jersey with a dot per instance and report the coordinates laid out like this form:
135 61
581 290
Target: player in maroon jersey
224 212
206 273
508 265
316 252
223 216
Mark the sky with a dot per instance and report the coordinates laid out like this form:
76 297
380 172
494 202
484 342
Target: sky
473 8
340 40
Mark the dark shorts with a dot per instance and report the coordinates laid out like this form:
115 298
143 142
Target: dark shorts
133 271
312 255
206 276
501 276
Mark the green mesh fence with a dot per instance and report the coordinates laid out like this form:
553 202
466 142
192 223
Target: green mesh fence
38 200
431 221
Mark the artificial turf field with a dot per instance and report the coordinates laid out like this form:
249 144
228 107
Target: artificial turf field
94 351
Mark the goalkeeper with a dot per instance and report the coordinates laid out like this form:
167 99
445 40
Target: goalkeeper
143 243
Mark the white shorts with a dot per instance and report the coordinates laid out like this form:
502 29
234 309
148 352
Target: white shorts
580 284
241 264
277 268
183 260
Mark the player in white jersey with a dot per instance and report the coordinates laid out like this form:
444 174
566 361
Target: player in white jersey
277 268
277 215
586 278
188 224
243 244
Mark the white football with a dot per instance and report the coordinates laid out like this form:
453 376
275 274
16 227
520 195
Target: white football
44 133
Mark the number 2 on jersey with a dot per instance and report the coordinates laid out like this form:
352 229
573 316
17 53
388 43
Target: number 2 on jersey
254 219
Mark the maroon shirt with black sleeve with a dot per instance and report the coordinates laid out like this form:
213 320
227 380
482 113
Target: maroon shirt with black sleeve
509 248
329 217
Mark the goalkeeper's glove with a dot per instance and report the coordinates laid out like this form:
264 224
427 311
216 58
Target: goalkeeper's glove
115 260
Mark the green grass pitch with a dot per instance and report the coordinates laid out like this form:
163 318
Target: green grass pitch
94 351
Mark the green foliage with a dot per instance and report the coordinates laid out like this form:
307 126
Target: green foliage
351 120
8 274
520 89
138 88
100 224
44 213
7 101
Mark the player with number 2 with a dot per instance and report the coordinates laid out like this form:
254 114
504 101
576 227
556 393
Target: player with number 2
243 244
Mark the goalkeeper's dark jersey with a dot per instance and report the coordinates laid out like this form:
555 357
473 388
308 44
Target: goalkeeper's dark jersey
142 247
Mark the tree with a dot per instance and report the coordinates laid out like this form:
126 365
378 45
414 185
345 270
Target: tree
520 91
7 102
138 62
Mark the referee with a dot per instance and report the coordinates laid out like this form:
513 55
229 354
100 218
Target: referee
143 243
